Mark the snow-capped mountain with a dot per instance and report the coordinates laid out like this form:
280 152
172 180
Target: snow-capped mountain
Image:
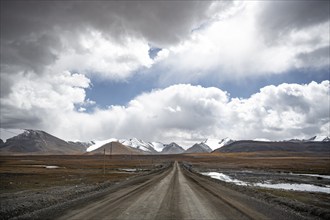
172 148
115 148
39 142
158 146
9 133
199 148
320 138
97 144
139 144
217 143
148 147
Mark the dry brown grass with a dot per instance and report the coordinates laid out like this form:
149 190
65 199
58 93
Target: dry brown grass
28 172
277 161
24 172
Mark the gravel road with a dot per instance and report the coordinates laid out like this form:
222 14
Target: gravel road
177 194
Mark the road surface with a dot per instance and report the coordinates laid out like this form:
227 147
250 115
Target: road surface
177 194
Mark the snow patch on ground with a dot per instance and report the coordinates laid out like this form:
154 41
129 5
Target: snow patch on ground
262 139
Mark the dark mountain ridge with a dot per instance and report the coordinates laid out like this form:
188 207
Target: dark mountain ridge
198 148
39 142
172 148
291 146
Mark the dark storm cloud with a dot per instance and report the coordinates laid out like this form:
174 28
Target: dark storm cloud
317 57
28 40
15 118
278 18
35 33
32 53
5 84
30 31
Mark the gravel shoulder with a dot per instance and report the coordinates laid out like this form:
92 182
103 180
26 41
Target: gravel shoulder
311 205
48 203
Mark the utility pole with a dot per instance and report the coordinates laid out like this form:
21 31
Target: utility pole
104 161
110 150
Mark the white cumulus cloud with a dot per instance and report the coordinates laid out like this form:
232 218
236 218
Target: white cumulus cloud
182 113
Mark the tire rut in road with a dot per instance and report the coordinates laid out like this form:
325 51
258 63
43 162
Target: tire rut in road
147 205
169 208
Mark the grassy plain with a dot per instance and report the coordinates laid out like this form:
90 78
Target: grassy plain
29 172
26 172
28 176
273 161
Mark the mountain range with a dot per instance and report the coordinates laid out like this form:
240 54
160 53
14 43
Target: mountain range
40 142
115 148
140 145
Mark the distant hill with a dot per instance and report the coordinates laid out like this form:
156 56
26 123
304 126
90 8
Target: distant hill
291 146
198 148
38 142
1 143
117 148
172 148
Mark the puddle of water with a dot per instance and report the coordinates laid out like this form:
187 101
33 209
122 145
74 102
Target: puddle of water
295 187
312 175
42 166
129 170
284 186
52 167
34 165
225 178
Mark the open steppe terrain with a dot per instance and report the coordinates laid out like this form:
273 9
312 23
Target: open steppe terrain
171 186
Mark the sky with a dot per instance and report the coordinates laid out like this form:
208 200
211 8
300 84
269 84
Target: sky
166 71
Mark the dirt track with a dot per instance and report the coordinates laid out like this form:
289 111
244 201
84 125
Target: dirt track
177 194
